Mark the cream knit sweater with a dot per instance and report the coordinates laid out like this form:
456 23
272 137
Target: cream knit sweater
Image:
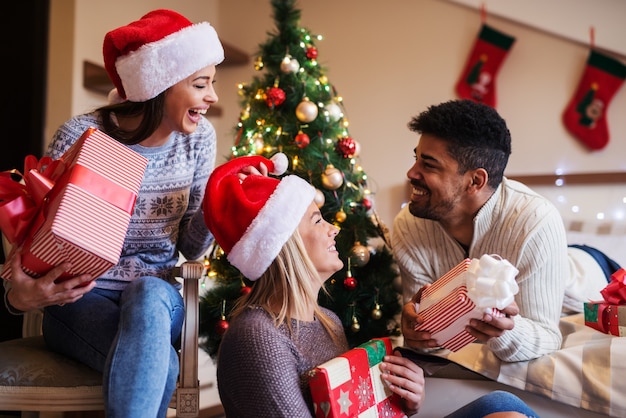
523 228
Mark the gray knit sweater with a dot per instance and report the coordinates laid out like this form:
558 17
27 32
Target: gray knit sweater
262 371
523 228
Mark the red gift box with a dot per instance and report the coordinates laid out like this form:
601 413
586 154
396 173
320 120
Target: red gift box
350 385
446 309
85 213
609 315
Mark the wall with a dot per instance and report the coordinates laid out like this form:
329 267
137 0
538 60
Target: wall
570 19
390 60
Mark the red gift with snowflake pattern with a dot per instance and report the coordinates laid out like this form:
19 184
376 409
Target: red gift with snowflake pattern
350 385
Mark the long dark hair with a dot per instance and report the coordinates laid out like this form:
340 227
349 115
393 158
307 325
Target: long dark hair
151 112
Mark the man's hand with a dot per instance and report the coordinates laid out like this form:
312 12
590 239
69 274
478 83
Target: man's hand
28 293
491 326
410 319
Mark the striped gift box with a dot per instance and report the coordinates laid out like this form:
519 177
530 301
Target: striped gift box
350 385
445 309
87 211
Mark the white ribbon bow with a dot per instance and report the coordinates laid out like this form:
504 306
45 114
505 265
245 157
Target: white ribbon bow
490 282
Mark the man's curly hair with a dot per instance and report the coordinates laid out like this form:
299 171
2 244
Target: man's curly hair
476 135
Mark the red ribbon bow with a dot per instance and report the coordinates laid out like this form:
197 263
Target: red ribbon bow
22 196
615 292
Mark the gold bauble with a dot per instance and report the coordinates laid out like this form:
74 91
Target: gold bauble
289 65
306 111
340 216
376 312
332 178
334 112
355 327
359 255
319 198
258 63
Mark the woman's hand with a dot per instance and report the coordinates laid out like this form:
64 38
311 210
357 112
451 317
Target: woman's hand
252 170
406 379
28 293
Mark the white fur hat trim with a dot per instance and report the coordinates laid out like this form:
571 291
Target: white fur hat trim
272 227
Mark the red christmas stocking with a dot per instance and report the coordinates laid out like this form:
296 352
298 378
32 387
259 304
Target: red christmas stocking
478 80
585 115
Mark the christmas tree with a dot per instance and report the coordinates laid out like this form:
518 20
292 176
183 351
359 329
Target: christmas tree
291 107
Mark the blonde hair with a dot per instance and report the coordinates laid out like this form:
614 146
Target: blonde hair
289 284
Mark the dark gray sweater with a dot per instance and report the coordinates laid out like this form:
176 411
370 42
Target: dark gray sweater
262 372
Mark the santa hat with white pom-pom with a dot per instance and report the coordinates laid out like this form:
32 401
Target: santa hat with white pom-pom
147 56
251 219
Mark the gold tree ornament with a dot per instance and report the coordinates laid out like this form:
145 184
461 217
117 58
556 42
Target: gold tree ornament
258 63
289 65
355 327
341 216
306 111
319 198
377 313
334 112
359 254
332 178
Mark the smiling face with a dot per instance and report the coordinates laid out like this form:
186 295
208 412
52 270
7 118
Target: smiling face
318 237
189 99
437 187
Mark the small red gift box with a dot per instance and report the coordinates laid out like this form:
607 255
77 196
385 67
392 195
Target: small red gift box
447 305
350 385
85 213
609 315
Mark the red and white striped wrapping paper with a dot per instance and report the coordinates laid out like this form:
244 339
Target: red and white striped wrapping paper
446 309
88 209
351 385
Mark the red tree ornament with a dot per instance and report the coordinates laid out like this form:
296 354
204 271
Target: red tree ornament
349 283
302 140
346 147
274 96
311 53
221 326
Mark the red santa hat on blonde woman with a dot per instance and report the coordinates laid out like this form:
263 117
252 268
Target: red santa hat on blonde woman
252 219
147 56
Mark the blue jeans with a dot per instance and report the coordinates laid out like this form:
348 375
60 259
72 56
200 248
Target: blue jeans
496 401
607 264
130 336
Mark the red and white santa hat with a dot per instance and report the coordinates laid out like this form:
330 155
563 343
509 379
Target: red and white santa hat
147 56
252 219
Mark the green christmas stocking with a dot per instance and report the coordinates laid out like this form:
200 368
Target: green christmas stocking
478 80
585 115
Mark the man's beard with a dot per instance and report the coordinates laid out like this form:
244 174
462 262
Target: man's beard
435 213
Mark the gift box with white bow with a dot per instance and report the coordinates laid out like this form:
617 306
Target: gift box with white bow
469 290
